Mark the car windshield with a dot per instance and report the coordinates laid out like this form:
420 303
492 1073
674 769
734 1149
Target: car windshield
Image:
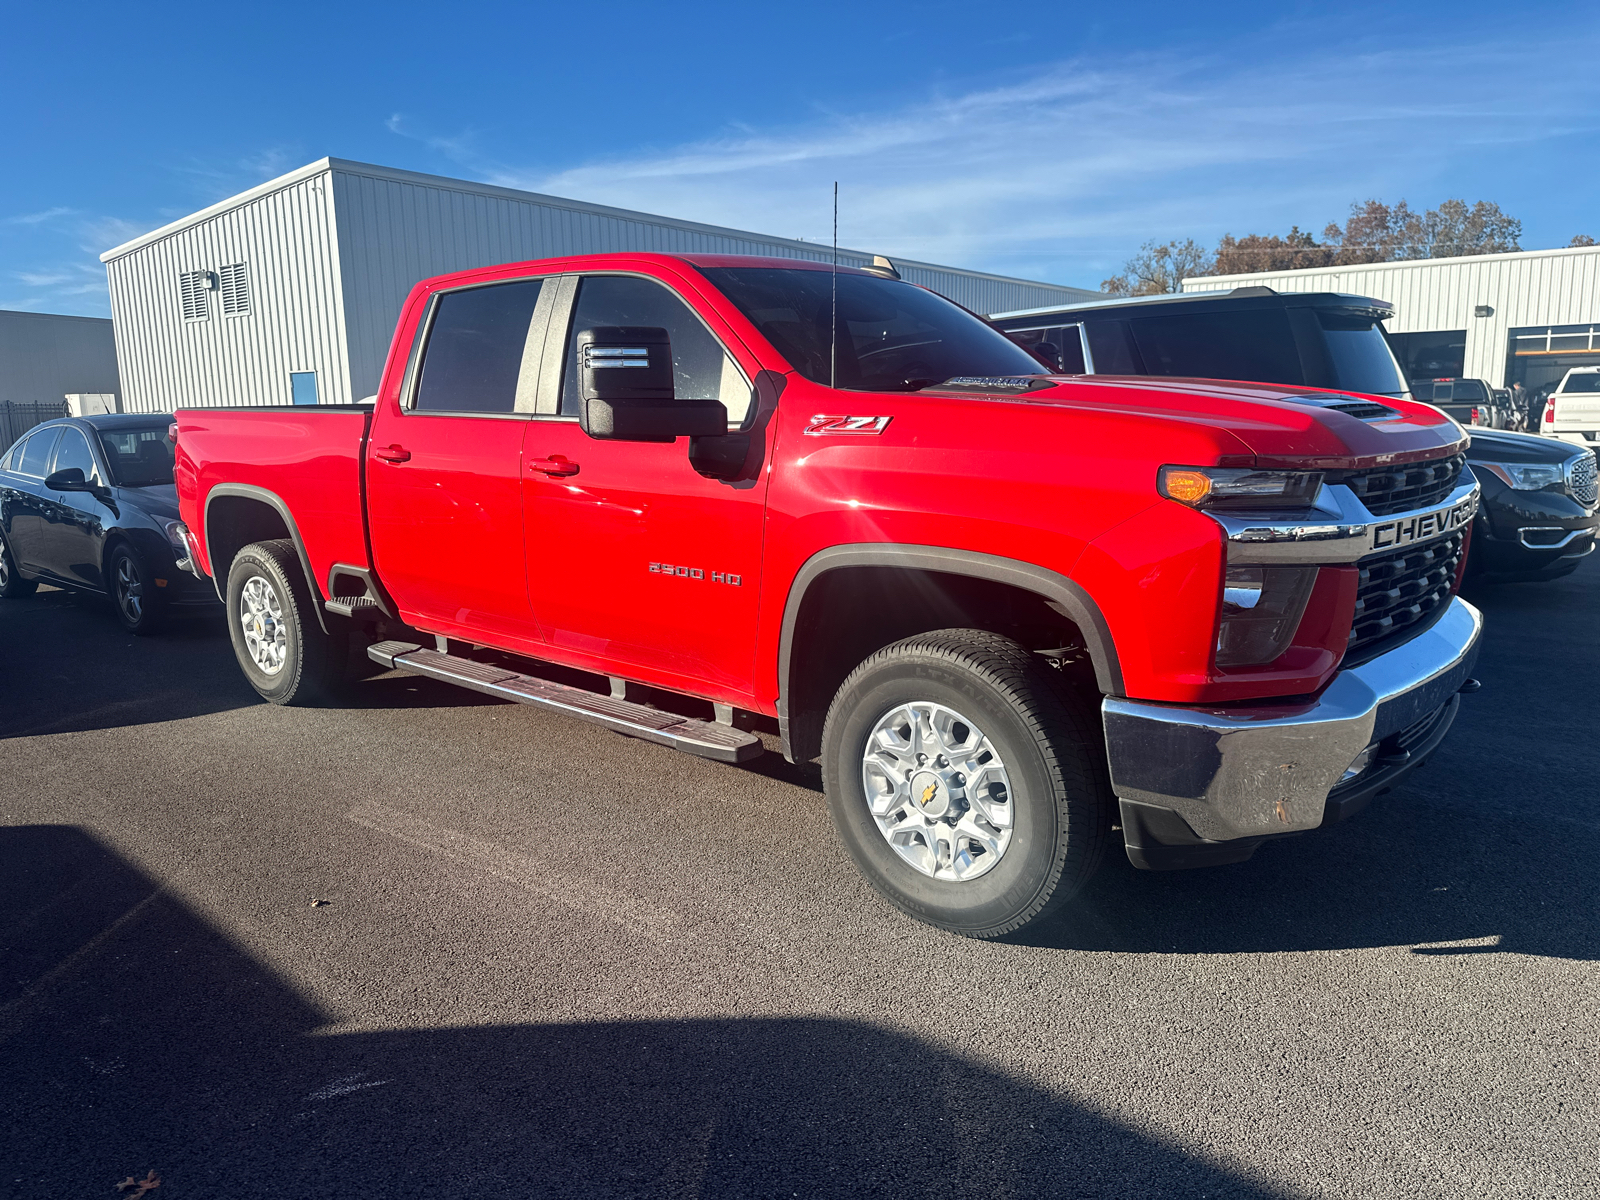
138 457
891 336
1589 382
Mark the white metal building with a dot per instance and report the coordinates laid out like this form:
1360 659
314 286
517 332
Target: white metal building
1507 318
289 292
45 356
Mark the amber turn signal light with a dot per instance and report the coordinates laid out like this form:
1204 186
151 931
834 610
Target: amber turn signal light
1189 487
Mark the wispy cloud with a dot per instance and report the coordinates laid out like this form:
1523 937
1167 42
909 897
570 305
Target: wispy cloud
1054 173
40 218
462 147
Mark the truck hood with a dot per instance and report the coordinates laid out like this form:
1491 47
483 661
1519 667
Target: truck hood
1278 425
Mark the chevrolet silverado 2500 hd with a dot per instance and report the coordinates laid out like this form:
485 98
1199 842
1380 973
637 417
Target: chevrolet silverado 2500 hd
1009 611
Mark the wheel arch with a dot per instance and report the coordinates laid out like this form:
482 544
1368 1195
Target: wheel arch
239 514
917 568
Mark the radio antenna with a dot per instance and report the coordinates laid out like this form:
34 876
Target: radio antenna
833 346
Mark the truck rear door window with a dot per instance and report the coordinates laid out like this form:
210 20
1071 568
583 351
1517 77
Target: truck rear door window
1255 346
701 368
476 347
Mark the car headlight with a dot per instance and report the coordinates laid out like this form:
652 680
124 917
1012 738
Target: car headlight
1526 477
178 537
1232 487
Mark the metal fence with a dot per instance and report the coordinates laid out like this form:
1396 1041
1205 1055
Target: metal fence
19 416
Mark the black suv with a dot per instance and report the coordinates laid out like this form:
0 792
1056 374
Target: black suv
1310 339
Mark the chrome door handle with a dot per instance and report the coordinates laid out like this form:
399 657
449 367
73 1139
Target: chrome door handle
556 464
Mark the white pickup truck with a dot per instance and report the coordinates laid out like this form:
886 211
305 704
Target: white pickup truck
1573 411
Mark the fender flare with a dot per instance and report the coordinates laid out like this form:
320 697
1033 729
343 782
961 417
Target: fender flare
249 491
1067 597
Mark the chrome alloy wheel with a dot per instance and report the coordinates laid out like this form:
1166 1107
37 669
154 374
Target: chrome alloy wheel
938 791
5 567
130 589
266 637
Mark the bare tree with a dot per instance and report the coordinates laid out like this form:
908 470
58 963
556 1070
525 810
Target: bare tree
1583 239
1375 232
1159 268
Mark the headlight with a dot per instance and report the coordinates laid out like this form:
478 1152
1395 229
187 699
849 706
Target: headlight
1261 609
178 537
1232 487
1526 477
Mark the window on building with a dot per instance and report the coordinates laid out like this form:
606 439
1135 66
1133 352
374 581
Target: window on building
233 281
303 387
1437 355
194 294
476 348
701 368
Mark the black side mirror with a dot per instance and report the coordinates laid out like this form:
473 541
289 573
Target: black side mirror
625 381
69 480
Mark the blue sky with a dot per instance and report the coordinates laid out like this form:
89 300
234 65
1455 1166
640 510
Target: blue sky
1036 140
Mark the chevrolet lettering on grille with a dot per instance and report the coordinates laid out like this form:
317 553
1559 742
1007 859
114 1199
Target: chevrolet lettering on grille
1386 535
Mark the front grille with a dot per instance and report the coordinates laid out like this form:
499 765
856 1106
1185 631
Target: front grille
1581 481
1386 490
1402 588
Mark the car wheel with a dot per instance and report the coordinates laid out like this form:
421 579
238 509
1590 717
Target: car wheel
967 781
12 584
285 653
140 606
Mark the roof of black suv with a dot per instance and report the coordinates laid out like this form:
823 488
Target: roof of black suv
1251 297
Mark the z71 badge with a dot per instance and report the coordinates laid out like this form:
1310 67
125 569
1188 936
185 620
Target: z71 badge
822 425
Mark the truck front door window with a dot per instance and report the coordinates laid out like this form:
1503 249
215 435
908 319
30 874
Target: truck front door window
701 368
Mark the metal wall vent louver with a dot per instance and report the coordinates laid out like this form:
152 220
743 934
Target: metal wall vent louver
234 282
194 295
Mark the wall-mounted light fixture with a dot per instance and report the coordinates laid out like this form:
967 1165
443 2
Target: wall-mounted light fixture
1483 310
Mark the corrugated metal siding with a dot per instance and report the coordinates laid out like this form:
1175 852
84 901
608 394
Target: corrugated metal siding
43 357
393 232
1531 289
295 322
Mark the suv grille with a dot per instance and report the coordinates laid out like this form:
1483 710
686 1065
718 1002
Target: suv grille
1400 588
1386 490
1581 481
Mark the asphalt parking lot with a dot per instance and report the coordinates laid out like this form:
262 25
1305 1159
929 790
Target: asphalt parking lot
553 961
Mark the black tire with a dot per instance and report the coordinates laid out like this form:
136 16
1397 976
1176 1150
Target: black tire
1050 743
12 584
139 603
310 662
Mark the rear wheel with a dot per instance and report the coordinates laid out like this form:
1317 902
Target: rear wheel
140 605
284 651
13 584
966 781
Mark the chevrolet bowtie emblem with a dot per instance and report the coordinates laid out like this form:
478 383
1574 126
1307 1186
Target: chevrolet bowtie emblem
929 794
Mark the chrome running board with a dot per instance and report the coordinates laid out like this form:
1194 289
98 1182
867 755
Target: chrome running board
705 738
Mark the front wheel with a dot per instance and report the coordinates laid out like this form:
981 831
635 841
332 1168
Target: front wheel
967 782
285 653
139 604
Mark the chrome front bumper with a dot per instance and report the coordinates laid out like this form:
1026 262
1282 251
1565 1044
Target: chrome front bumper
1236 772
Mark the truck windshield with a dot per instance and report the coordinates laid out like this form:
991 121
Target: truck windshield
892 336
138 457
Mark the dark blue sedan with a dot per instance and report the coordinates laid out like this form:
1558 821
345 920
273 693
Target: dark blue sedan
89 503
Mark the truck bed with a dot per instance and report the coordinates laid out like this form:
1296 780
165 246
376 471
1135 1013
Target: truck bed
307 460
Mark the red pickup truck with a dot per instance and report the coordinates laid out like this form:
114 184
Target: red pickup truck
1010 611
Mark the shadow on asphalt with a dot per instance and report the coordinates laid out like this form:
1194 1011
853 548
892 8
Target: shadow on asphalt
135 1037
